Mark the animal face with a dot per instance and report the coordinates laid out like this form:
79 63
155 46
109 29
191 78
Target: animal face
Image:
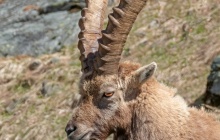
106 104
107 90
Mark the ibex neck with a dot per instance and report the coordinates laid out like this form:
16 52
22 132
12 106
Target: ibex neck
152 113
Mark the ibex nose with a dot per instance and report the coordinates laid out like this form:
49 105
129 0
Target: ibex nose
70 128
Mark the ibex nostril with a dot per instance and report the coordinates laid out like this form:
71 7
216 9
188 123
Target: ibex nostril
70 128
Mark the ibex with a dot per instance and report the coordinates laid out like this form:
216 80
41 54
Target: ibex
124 98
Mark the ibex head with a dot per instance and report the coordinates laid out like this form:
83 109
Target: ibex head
108 89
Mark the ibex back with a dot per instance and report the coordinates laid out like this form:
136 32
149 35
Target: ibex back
124 98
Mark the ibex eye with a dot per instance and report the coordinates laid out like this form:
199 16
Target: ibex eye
108 94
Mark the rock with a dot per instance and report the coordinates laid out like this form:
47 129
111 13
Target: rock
34 65
216 64
212 94
49 89
154 24
10 108
38 27
33 27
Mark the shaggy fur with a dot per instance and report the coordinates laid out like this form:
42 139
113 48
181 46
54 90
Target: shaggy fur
159 116
149 111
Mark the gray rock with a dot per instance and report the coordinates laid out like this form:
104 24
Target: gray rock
216 64
215 89
10 108
44 28
154 24
49 89
33 27
212 94
217 60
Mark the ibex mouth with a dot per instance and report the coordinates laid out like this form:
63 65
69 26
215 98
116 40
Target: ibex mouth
85 136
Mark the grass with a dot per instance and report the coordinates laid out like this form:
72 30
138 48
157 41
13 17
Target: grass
21 87
200 29
177 35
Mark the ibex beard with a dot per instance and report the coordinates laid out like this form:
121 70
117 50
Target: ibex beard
106 103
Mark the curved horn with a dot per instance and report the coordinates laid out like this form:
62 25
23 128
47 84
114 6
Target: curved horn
115 35
91 25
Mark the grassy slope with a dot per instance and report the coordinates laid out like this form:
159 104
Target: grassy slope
181 36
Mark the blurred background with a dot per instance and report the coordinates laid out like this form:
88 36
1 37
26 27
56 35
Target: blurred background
39 66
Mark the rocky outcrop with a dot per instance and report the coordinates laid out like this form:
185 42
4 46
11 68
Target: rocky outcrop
212 94
31 27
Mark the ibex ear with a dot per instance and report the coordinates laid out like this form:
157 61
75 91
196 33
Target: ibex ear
142 74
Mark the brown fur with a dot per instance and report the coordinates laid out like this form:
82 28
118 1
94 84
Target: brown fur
163 117
146 112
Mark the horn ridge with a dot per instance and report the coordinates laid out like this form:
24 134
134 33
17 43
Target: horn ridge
115 35
91 24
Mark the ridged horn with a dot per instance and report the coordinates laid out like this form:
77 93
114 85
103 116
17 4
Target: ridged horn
114 37
91 25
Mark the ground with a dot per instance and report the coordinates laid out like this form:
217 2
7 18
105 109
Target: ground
182 37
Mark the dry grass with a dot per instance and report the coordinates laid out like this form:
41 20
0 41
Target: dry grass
181 36
36 95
